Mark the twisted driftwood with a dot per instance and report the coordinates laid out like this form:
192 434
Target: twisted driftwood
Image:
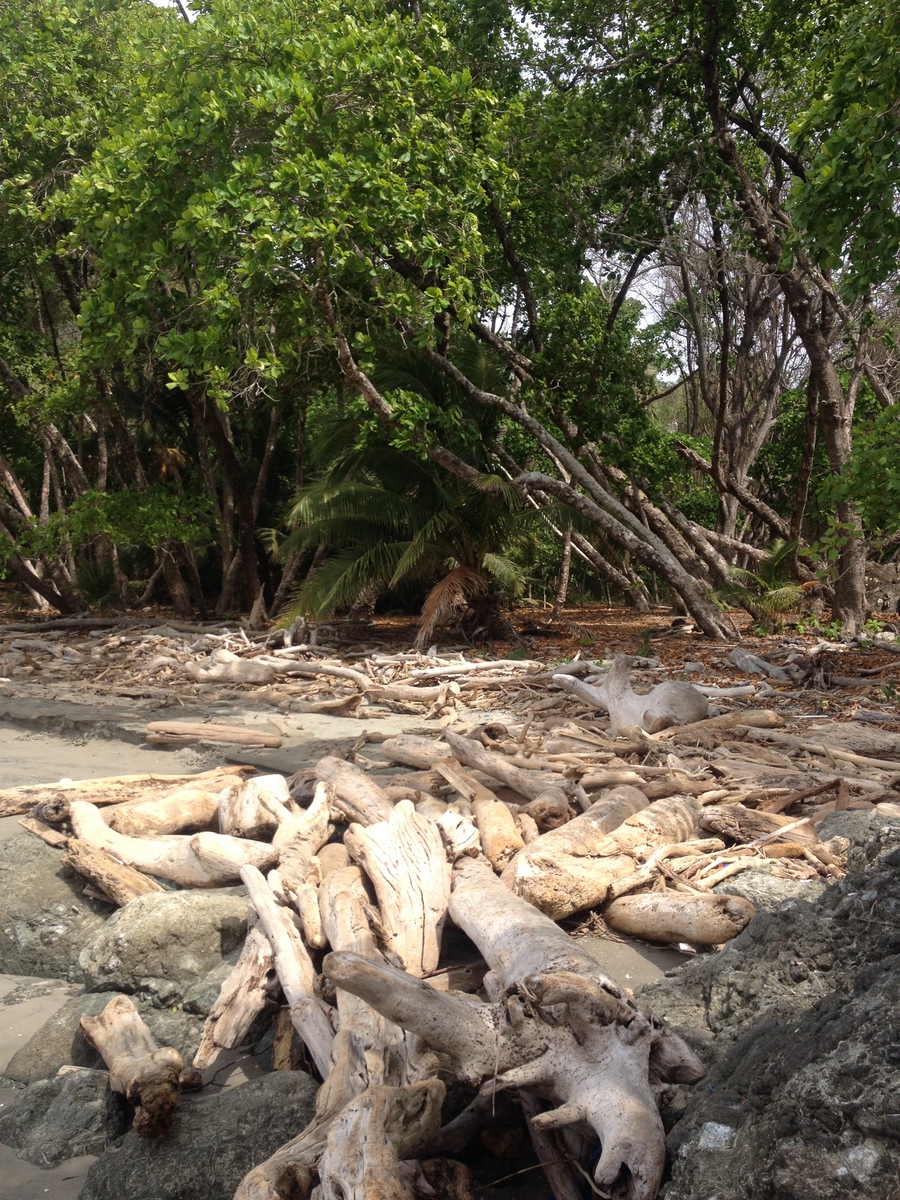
670 703
558 1028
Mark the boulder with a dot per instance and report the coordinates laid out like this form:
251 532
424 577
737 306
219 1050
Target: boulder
55 1119
214 1143
767 892
46 917
801 1032
60 1042
161 944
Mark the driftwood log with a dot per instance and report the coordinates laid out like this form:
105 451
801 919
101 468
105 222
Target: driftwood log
247 991
51 800
404 857
147 1075
702 920
187 810
670 703
113 879
198 860
558 1028
573 868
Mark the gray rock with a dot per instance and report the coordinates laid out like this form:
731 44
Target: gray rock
801 1099
855 824
767 892
202 995
214 1143
54 1119
60 1043
160 944
46 917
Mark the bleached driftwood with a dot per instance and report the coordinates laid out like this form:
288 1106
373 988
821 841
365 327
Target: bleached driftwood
147 1075
291 1170
573 868
310 1015
535 785
371 1134
188 810
345 907
243 811
673 702
182 733
223 666
298 839
53 799
499 835
356 796
413 750
713 727
703 920
194 860
120 882
569 1033
367 1051
405 860
242 997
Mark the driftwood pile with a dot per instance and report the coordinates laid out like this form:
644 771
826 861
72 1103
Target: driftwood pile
355 865
300 670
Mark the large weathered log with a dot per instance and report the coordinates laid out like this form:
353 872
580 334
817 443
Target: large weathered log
573 867
559 1028
670 703
115 879
243 811
188 810
185 732
703 920
196 860
345 906
223 666
413 750
242 997
356 796
53 799
291 1170
405 860
369 1137
147 1075
310 1016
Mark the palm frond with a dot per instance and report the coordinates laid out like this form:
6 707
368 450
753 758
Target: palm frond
446 597
342 580
508 574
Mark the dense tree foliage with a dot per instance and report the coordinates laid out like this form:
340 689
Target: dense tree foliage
612 258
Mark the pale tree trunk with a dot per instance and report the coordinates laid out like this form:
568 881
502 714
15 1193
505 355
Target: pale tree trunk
565 568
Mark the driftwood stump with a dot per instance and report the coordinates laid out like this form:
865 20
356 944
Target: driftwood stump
147 1075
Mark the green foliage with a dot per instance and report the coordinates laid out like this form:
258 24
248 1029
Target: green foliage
765 593
125 518
849 202
872 478
392 518
272 148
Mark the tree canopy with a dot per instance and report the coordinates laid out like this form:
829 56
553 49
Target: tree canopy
639 246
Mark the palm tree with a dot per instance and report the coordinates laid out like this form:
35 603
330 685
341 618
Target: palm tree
765 593
392 517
